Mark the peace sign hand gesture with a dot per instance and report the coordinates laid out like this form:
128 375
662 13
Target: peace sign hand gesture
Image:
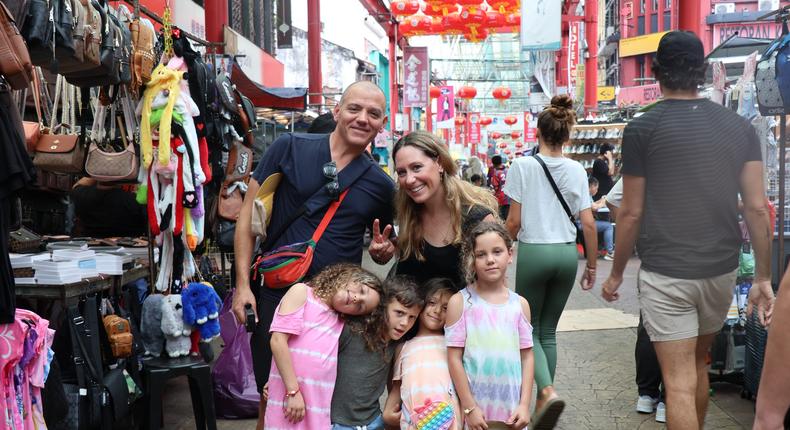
381 248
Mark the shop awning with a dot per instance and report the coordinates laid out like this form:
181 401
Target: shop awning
275 98
733 52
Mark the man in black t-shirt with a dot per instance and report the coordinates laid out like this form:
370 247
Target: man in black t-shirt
603 170
684 163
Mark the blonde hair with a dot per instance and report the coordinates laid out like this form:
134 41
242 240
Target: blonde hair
330 279
457 192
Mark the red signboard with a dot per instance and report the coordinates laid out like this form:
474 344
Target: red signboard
640 95
473 128
416 76
530 127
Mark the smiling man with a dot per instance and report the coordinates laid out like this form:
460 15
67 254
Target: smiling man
316 169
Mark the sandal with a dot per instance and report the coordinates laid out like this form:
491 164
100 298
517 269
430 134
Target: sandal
546 418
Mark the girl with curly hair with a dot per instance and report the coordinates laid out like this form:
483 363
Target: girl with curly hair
305 332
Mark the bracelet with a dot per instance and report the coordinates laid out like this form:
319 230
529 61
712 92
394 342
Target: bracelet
589 268
292 393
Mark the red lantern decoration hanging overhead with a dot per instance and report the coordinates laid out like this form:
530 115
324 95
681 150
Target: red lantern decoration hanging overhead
515 6
501 5
452 24
514 134
416 25
466 93
496 135
519 145
459 120
480 35
503 145
494 20
473 5
501 94
510 120
434 92
474 20
507 151
444 7
485 120
404 8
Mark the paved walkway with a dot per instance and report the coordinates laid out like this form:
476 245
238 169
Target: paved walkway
595 373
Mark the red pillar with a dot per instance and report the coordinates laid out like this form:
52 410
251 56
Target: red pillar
216 16
316 87
591 64
429 115
393 80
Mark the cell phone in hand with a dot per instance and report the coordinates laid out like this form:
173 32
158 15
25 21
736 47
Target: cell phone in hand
250 317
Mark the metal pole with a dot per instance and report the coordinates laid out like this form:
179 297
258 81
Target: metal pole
781 212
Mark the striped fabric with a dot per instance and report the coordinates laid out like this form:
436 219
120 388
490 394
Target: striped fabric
424 375
492 336
315 329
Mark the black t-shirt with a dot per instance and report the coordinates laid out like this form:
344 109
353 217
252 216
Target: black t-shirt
443 261
691 153
301 162
600 171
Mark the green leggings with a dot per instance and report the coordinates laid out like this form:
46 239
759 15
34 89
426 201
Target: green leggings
545 276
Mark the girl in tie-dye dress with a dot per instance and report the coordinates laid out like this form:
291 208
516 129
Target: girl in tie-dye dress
489 338
305 333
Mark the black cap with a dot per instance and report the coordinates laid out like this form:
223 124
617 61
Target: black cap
680 47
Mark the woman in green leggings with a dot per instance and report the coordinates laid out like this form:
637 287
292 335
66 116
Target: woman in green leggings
547 258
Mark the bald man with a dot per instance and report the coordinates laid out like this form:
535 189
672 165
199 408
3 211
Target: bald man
317 168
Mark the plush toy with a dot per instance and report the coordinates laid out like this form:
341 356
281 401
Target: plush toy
201 308
151 325
176 332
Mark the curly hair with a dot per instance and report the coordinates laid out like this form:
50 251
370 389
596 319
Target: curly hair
470 241
681 74
457 192
331 278
557 120
374 328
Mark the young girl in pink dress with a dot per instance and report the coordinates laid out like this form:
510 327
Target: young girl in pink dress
305 333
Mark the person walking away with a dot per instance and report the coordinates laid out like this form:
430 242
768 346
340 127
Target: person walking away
684 163
367 346
547 255
603 170
497 175
310 163
489 339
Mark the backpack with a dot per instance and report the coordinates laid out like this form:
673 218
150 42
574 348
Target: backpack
772 78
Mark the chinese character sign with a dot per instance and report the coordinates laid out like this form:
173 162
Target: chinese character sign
445 108
574 54
416 76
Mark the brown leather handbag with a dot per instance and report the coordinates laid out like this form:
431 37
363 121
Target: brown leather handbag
15 63
238 170
62 153
109 166
143 56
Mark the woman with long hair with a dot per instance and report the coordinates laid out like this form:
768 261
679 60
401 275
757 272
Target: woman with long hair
433 208
547 256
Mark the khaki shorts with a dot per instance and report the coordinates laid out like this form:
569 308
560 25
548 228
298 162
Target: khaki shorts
675 309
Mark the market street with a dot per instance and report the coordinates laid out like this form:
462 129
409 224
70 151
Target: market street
595 370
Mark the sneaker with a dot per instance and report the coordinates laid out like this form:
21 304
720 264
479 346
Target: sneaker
661 412
546 418
610 257
646 404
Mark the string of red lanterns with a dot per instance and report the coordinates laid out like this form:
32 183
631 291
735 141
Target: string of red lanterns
475 19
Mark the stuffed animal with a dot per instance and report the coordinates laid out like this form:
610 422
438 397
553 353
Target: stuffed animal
176 332
151 325
201 308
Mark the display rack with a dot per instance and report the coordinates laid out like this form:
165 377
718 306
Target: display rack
586 139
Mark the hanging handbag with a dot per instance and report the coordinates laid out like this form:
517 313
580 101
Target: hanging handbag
287 265
106 72
238 170
107 166
143 59
63 153
579 231
88 38
15 65
38 32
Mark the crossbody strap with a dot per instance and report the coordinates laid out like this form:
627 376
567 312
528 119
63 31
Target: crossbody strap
556 190
330 213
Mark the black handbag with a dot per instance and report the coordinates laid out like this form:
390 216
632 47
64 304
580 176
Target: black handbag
107 72
37 32
64 30
579 231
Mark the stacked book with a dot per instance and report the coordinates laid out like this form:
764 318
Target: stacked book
57 271
22 266
86 260
113 263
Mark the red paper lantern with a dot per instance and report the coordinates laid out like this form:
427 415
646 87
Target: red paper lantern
474 20
503 145
443 6
510 120
466 93
507 151
434 92
494 20
501 94
501 5
452 24
514 134
416 25
478 36
496 135
519 145
473 5
404 8
485 120
513 20
459 120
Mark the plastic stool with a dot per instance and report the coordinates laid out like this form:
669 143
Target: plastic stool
158 370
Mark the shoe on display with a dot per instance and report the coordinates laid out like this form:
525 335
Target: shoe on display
646 404
661 412
610 257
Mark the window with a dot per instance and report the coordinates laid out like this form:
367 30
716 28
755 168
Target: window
667 20
642 6
640 25
668 5
655 5
654 23
640 63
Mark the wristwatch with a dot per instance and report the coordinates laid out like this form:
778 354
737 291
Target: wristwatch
468 411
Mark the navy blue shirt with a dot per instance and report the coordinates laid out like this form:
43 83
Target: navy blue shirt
300 158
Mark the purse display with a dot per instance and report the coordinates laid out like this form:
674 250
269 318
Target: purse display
15 64
238 170
56 152
32 129
107 165
38 32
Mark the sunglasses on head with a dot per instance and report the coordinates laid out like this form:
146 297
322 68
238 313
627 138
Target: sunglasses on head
333 186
